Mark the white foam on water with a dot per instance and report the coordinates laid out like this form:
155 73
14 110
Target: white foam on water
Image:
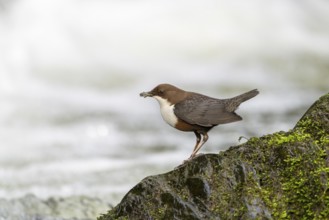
71 119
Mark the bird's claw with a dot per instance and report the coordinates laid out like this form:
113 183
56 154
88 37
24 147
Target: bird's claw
185 162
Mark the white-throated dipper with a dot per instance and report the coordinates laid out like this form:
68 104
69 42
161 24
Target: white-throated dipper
190 111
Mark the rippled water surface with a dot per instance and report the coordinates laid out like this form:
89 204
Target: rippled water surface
71 119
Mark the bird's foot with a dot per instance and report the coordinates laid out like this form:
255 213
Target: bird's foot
185 162
197 155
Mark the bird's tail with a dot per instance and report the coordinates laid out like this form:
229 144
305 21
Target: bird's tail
233 103
246 96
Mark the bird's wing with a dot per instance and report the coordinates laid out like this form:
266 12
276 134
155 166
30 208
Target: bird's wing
204 111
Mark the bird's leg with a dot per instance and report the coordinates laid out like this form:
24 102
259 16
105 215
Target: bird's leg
198 139
200 143
201 138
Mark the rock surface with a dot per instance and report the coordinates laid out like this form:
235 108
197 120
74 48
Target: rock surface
30 207
278 176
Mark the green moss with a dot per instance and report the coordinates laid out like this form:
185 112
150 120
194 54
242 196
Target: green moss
292 168
304 184
279 138
279 176
300 187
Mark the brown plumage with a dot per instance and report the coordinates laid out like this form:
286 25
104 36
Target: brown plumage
190 111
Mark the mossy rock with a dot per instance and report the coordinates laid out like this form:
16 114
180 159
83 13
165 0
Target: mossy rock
279 176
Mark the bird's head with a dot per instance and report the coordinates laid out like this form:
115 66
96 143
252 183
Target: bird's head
165 91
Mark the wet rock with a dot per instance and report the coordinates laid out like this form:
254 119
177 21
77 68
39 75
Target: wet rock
278 176
198 187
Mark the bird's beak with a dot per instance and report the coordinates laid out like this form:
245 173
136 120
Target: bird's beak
146 94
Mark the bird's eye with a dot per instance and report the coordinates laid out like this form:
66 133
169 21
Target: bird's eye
161 91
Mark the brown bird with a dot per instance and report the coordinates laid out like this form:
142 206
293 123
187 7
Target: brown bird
190 111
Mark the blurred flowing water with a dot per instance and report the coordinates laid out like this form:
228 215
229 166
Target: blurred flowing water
71 119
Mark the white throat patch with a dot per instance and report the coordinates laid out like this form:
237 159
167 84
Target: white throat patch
167 111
